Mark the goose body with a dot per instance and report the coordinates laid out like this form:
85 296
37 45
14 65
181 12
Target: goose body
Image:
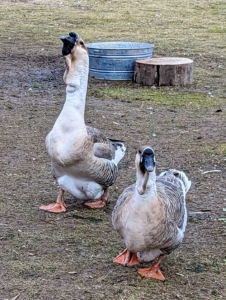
84 161
150 215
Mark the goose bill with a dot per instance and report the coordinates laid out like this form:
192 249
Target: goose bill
148 163
69 43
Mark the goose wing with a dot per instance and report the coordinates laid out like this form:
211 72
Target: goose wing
103 146
124 198
121 205
171 192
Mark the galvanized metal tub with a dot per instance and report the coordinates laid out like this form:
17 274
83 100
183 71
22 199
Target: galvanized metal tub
116 60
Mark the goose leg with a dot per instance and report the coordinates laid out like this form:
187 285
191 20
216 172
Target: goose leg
127 258
99 203
57 207
153 271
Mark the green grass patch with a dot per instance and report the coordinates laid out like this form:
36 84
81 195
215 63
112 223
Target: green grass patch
217 30
160 96
37 86
219 149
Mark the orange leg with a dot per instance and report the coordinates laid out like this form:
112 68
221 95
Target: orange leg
153 271
99 203
127 258
57 207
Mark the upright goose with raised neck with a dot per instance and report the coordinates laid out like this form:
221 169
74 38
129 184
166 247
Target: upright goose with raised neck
150 215
84 161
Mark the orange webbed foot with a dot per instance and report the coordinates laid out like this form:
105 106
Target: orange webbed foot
153 271
96 204
99 203
127 258
57 207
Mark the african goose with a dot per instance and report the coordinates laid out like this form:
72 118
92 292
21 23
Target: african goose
150 215
84 161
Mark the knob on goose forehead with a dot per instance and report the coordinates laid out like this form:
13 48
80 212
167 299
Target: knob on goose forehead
147 151
69 42
73 35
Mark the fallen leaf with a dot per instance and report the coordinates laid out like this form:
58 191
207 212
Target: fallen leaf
222 219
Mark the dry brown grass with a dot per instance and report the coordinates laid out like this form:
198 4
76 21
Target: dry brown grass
69 256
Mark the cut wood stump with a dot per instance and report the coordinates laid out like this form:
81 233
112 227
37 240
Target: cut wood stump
164 71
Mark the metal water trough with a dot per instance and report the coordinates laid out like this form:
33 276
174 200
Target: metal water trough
116 60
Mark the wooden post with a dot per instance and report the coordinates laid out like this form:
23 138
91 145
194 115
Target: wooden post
164 71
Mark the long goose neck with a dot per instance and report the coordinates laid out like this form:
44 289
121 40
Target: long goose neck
76 78
146 183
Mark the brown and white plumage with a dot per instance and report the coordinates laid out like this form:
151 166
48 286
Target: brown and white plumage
84 161
150 215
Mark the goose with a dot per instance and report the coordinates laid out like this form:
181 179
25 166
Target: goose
84 161
150 216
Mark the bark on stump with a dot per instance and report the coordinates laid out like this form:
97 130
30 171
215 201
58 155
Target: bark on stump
164 71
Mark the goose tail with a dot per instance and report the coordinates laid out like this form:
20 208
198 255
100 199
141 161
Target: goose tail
186 182
120 151
180 175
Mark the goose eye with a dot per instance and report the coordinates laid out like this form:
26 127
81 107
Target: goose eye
81 43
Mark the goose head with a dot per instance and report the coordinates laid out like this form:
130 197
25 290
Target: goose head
76 57
145 159
145 166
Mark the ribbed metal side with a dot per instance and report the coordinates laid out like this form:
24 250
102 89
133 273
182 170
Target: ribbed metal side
116 60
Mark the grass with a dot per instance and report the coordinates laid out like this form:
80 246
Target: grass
219 149
157 97
174 28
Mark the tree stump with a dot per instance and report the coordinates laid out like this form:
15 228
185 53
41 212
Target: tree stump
164 71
